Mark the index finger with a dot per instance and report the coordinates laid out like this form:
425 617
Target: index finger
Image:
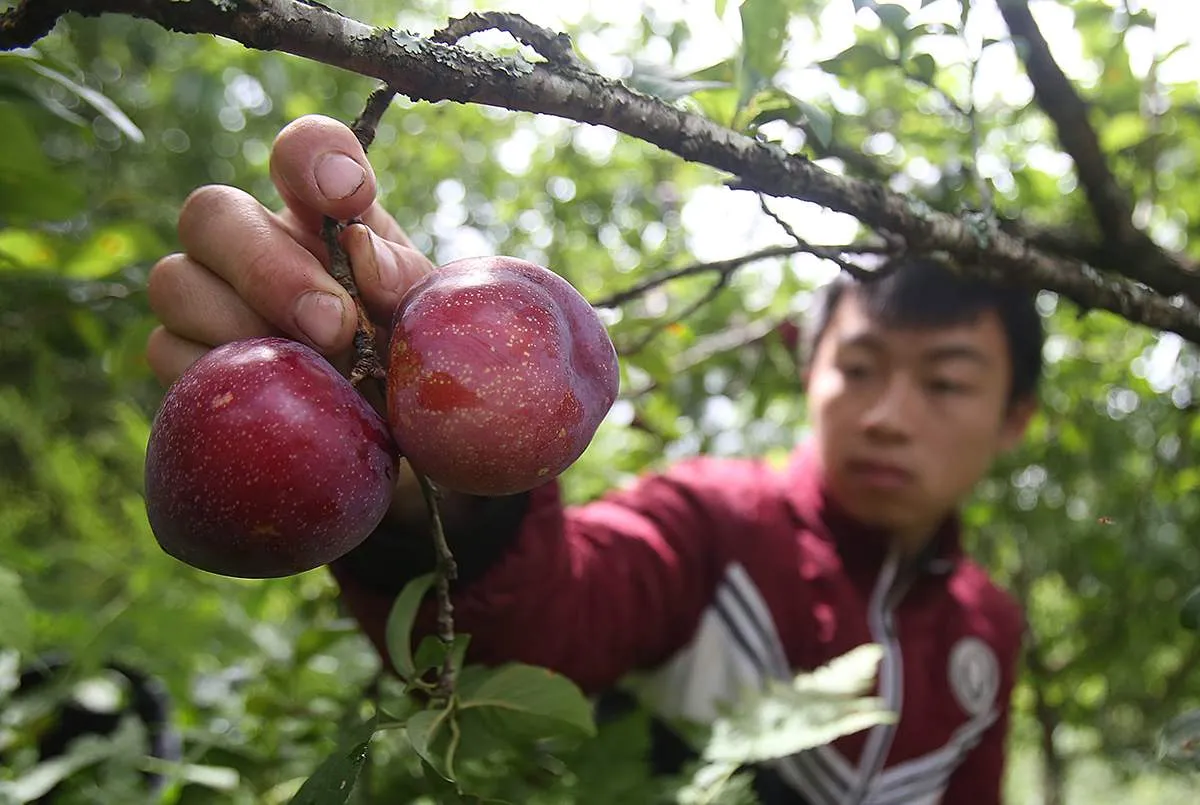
229 233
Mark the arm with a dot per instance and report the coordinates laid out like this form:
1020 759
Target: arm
592 592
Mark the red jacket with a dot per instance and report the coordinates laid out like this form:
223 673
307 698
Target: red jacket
719 572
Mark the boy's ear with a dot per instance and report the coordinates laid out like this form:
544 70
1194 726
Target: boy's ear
1016 421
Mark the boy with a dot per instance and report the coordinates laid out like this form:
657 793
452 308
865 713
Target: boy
713 574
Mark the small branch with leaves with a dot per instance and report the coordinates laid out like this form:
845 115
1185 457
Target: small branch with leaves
1138 256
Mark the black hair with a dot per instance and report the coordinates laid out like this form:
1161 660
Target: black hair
926 293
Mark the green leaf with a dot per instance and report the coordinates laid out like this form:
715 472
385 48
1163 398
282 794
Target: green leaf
796 111
667 88
856 61
820 123
483 735
1189 614
1122 131
431 653
218 778
110 250
97 100
400 624
924 67
423 730
441 790
812 710
764 32
893 18
334 779
716 782
395 710
30 187
519 689
26 250
45 776
16 631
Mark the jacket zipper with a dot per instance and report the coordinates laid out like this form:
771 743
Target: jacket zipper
881 622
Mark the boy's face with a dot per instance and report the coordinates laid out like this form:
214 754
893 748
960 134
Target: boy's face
906 421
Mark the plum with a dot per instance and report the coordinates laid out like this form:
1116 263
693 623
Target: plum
499 373
264 461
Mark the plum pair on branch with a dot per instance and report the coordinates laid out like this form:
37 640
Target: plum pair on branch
264 461
499 372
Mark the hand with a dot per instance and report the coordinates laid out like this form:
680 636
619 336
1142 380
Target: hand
246 271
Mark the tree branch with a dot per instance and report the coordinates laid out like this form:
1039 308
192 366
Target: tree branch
431 71
726 267
1111 206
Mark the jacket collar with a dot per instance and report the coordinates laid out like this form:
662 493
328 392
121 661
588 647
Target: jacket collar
862 547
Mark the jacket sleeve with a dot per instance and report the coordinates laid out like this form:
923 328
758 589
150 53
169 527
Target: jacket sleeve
594 591
980 778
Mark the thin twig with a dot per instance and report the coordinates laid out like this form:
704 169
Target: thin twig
366 358
447 571
556 48
856 271
368 122
732 264
722 343
982 188
929 83
663 323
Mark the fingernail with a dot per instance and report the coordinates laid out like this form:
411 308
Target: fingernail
338 176
319 317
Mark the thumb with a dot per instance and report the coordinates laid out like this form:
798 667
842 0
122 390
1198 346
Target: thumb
319 168
384 270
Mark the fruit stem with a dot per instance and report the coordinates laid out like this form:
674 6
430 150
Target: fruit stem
447 571
368 365
366 361
377 103
366 358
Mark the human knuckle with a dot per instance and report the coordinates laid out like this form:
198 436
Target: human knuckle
164 279
262 269
202 202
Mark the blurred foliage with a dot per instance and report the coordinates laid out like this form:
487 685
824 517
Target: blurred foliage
109 123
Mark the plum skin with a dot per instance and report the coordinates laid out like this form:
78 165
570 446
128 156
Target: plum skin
499 373
263 461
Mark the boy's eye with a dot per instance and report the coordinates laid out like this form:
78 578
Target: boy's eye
945 386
